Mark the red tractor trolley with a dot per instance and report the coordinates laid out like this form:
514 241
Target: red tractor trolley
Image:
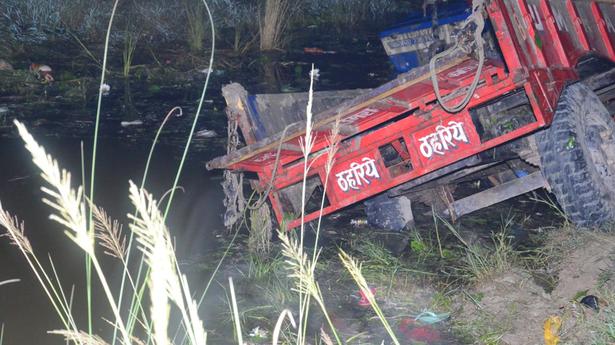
541 115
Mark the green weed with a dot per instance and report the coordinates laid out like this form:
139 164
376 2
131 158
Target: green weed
481 261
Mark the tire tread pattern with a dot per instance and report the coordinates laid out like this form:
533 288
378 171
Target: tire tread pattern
576 185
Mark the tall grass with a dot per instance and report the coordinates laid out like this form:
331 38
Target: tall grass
131 38
93 167
342 15
195 25
482 262
273 23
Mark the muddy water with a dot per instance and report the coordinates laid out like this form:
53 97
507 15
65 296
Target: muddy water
194 219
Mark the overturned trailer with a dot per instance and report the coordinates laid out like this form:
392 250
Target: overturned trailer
536 114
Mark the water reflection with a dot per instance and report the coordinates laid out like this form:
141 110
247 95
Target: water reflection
194 218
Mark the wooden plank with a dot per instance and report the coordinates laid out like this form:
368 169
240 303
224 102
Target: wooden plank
326 117
497 194
236 97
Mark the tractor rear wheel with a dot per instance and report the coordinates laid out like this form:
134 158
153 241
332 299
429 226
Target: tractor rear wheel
577 155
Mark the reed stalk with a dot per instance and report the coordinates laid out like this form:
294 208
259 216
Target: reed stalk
274 23
195 25
70 211
236 319
130 46
88 264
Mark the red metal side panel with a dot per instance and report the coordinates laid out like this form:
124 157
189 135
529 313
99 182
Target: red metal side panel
546 36
523 31
607 12
595 27
536 42
568 28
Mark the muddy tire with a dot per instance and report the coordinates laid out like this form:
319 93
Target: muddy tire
577 155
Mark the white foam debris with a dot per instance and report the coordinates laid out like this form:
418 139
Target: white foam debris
206 133
105 88
131 123
258 332
315 73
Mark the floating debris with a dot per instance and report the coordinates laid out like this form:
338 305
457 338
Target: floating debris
258 332
19 178
5 66
4 110
105 88
42 72
315 73
131 123
206 133
317 51
288 88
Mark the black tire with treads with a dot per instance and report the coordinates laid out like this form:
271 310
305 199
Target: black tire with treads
576 155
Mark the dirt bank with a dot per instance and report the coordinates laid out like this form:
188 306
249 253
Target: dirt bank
512 307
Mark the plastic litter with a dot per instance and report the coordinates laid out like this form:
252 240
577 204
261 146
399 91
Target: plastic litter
364 301
429 317
591 301
358 222
317 51
552 327
426 334
419 333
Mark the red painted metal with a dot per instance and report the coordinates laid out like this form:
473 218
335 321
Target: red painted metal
602 30
540 40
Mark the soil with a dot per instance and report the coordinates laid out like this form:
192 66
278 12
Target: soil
512 308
